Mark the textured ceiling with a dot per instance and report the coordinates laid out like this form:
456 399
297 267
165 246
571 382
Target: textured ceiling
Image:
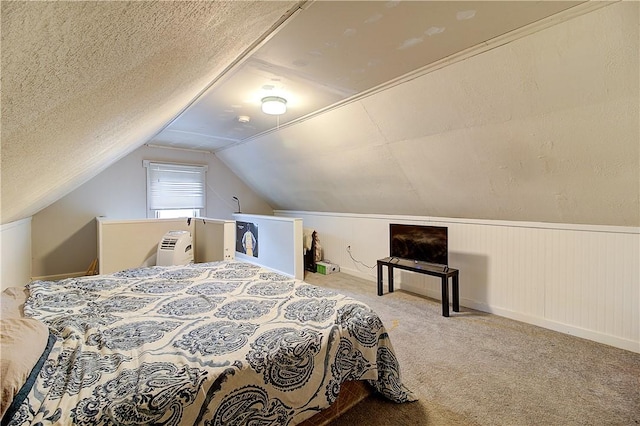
85 83
540 127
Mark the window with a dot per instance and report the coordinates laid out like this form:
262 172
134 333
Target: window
175 190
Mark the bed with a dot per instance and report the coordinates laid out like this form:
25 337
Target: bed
221 343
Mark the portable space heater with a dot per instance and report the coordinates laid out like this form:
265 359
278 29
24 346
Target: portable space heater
175 248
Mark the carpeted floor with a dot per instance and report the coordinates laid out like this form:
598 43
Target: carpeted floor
475 368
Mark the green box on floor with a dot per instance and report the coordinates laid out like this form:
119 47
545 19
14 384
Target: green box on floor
326 268
321 268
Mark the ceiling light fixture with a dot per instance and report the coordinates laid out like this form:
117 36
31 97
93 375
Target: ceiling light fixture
274 105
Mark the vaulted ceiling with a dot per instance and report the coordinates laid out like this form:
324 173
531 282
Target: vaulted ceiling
331 51
503 110
86 83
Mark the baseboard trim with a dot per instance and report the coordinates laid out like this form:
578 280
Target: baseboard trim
583 333
571 330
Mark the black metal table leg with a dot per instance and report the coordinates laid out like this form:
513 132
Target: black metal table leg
455 289
445 297
390 269
379 279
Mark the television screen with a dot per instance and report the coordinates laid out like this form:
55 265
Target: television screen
419 242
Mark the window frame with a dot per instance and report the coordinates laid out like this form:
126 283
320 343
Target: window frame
196 211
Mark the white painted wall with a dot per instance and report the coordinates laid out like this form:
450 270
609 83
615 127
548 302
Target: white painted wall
214 240
577 279
64 236
279 243
124 244
15 253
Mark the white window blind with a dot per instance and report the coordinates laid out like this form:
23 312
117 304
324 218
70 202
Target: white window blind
175 186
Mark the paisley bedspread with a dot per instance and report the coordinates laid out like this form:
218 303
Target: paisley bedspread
221 343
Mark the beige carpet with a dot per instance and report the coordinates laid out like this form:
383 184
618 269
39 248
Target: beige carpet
475 368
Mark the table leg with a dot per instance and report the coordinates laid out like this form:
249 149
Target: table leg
456 294
445 297
379 279
390 269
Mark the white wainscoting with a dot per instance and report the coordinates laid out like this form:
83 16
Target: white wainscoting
15 253
582 280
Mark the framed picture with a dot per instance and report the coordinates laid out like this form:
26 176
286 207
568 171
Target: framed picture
247 238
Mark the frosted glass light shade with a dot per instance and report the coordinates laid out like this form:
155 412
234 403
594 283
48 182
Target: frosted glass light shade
274 105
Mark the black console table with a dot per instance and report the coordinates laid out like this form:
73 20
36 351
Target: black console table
424 268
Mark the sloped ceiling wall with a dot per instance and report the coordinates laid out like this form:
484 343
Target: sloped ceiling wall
543 129
85 83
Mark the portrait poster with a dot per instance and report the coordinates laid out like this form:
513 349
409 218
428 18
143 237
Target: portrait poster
247 238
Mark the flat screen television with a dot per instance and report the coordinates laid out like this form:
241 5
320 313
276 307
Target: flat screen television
419 243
